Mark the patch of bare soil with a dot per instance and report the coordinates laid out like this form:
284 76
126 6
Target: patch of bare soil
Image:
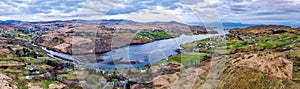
30 86
164 81
187 78
57 86
275 64
6 82
62 47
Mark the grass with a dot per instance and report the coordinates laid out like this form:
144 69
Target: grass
266 45
17 47
188 58
222 51
224 43
22 87
39 60
6 55
156 35
190 46
264 42
240 44
246 78
69 76
285 40
9 59
11 63
25 37
53 42
44 84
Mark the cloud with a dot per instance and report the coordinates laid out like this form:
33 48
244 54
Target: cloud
39 9
239 8
258 11
130 6
245 11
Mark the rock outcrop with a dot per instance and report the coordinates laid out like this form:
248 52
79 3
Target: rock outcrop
6 82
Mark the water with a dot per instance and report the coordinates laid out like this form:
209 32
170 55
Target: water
153 52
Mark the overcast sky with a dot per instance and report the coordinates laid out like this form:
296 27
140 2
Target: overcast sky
185 11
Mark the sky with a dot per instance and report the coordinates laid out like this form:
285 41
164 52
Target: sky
285 12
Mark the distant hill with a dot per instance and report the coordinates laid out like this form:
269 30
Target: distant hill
225 24
106 22
103 22
236 25
170 22
122 21
10 22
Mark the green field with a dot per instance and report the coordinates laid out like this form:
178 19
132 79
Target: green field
188 58
156 35
190 46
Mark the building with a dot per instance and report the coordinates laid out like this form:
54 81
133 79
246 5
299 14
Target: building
65 69
29 77
111 83
48 75
30 68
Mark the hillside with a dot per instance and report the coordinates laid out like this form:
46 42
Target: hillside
89 36
257 57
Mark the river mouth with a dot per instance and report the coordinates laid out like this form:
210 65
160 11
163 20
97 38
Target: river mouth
133 56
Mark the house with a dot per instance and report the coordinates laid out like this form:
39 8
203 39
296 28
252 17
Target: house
268 41
103 72
270 31
65 69
36 72
27 59
292 40
196 49
111 83
200 45
109 73
133 79
284 48
29 77
37 53
30 68
162 64
280 39
102 81
117 73
210 44
121 83
143 70
48 75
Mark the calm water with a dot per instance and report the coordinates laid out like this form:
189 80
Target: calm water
154 52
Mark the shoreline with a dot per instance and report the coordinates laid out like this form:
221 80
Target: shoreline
138 65
130 44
